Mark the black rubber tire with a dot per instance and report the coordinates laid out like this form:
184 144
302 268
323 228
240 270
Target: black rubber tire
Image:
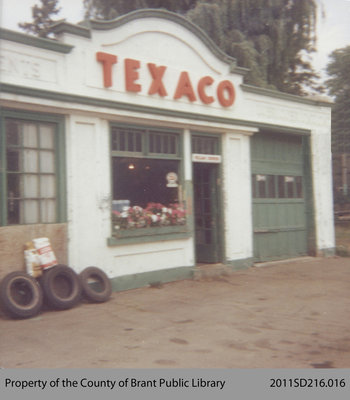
96 284
61 287
20 295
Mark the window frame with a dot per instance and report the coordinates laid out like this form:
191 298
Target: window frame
59 163
277 179
145 140
151 234
200 142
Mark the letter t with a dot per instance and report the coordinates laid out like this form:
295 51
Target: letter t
107 61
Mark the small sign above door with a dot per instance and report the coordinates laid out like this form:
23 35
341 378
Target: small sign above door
206 158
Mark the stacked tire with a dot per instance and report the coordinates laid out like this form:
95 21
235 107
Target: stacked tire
96 286
61 287
22 296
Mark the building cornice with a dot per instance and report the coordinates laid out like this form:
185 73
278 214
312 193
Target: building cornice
285 96
47 44
117 105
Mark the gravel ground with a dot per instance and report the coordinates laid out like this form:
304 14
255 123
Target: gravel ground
282 315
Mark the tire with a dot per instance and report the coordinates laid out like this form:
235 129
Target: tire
61 287
20 294
96 284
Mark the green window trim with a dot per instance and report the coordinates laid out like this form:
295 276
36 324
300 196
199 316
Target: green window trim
145 235
134 141
205 144
138 141
60 168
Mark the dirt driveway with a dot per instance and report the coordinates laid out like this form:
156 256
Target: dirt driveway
284 315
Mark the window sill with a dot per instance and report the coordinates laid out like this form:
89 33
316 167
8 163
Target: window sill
144 235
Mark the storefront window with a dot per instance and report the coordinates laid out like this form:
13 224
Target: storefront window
146 184
30 176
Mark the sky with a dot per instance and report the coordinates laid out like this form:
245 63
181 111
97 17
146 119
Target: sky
333 30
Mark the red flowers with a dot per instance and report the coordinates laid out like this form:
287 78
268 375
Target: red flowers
155 214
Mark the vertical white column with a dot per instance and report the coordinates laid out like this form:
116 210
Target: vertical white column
237 197
187 155
323 193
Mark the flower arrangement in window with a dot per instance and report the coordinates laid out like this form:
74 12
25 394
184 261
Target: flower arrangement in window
155 214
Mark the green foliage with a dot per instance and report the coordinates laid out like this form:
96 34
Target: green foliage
275 36
109 9
339 86
270 37
42 20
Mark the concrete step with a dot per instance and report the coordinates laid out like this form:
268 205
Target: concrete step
210 271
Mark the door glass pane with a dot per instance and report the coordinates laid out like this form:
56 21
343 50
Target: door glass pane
208 222
207 206
200 236
208 237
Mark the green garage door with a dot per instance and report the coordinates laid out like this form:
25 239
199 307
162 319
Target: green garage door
278 188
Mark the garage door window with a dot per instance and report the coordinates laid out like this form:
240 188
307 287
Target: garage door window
277 186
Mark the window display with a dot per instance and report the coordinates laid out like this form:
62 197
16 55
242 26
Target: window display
146 187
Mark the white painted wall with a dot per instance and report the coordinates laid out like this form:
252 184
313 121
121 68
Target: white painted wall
89 209
237 197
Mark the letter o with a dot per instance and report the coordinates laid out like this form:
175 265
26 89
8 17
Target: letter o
226 86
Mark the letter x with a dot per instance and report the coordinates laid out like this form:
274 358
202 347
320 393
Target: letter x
157 84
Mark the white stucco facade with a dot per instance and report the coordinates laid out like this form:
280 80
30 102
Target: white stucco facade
69 81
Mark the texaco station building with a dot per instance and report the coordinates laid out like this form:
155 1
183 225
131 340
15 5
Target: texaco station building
134 145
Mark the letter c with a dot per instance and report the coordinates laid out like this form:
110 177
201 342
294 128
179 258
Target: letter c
206 81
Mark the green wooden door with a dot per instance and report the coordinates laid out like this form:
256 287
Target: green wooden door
206 212
278 188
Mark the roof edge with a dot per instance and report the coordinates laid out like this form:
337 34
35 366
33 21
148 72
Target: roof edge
284 96
74 29
47 44
103 25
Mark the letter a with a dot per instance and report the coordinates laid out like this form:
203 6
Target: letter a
184 87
